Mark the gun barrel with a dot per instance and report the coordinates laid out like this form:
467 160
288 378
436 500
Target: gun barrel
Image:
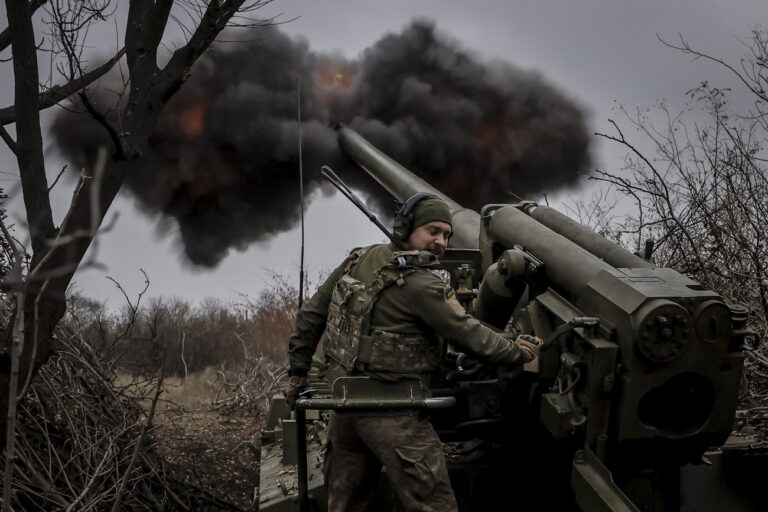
606 250
402 184
565 262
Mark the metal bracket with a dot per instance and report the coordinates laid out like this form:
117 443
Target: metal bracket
594 487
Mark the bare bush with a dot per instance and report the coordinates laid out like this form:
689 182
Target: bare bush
700 193
271 318
76 437
244 341
251 386
86 432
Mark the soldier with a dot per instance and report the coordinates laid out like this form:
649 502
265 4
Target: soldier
383 309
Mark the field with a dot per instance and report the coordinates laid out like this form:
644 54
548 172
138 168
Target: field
214 447
155 406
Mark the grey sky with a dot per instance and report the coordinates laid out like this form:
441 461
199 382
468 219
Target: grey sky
598 51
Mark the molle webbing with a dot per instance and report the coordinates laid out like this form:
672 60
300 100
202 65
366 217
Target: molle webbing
354 258
398 353
349 316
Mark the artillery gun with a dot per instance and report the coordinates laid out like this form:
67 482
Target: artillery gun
638 382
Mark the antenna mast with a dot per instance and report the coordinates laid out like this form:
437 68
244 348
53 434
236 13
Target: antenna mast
301 193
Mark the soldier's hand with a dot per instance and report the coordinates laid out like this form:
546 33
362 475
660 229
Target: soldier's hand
531 345
296 385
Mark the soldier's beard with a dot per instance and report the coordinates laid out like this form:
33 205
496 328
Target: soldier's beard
437 251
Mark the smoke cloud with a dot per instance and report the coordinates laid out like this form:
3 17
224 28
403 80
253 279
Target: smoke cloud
223 161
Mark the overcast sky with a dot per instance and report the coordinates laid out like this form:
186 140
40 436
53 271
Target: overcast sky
600 52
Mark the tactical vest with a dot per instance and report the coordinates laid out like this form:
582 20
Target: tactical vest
348 337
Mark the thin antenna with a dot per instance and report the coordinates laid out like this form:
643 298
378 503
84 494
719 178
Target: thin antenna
301 193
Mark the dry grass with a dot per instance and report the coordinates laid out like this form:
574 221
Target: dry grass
194 393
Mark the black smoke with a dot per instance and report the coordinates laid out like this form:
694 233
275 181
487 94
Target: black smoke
223 161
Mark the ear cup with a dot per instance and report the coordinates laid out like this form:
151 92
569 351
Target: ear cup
401 228
403 224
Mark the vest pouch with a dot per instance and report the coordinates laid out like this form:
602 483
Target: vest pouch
347 314
399 353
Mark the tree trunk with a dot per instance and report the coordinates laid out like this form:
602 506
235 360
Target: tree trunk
58 253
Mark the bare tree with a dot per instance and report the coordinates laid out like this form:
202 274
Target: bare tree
700 191
57 251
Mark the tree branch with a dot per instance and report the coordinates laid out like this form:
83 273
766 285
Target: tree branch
158 22
58 176
5 35
216 17
686 48
102 120
138 49
666 197
60 92
8 140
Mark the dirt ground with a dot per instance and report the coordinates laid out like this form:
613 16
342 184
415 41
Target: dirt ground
215 452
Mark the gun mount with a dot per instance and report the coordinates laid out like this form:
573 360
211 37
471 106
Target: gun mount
640 376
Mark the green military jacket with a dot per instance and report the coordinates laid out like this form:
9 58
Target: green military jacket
425 306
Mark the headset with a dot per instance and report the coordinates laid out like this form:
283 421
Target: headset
403 224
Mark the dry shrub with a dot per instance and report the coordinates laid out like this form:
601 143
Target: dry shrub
698 180
220 354
271 319
76 436
223 389
250 386
185 339
85 430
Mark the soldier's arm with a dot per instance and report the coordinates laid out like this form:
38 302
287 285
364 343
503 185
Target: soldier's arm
310 325
436 305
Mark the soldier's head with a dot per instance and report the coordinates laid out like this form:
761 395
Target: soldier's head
424 223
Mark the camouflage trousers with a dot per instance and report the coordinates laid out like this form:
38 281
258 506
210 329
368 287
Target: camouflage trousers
406 445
